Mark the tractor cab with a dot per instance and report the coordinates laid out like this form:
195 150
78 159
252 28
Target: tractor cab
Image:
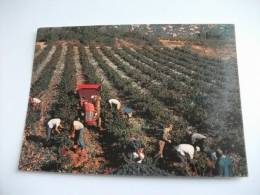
88 101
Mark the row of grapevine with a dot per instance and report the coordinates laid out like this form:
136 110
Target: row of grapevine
176 64
190 81
41 57
204 59
146 107
193 106
184 55
209 72
65 106
42 83
37 73
169 97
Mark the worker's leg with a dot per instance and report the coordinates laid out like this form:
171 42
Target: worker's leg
161 148
49 133
80 138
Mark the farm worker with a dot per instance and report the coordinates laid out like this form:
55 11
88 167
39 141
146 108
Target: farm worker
115 102
165 139
138 155
34 101
53 124
211 162
128 112
197 139
224 164
78 128
186 149
97 101
135 150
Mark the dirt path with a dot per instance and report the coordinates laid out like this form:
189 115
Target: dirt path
79 75
36 74
51 93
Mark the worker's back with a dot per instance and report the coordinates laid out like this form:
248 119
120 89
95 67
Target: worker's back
185 149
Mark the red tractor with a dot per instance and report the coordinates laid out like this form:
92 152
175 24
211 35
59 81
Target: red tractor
90 102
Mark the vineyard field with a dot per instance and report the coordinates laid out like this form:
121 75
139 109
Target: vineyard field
163 86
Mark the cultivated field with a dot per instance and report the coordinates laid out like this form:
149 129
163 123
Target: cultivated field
162 84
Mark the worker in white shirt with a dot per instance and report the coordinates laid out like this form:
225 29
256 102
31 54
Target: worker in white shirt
115 102
35 102
138 155
53 124
78 131
186 149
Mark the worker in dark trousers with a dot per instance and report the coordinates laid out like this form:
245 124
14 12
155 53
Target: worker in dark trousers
78 131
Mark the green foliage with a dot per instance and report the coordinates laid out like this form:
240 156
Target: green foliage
42 83
136 169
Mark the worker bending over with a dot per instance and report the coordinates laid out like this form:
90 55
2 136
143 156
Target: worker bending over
166 136
197 139
78 130
53 124
186 149
35 102
115 102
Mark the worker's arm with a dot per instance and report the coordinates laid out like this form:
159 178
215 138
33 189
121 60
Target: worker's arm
57 128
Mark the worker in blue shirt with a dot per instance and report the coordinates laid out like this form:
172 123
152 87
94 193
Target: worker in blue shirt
224 164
